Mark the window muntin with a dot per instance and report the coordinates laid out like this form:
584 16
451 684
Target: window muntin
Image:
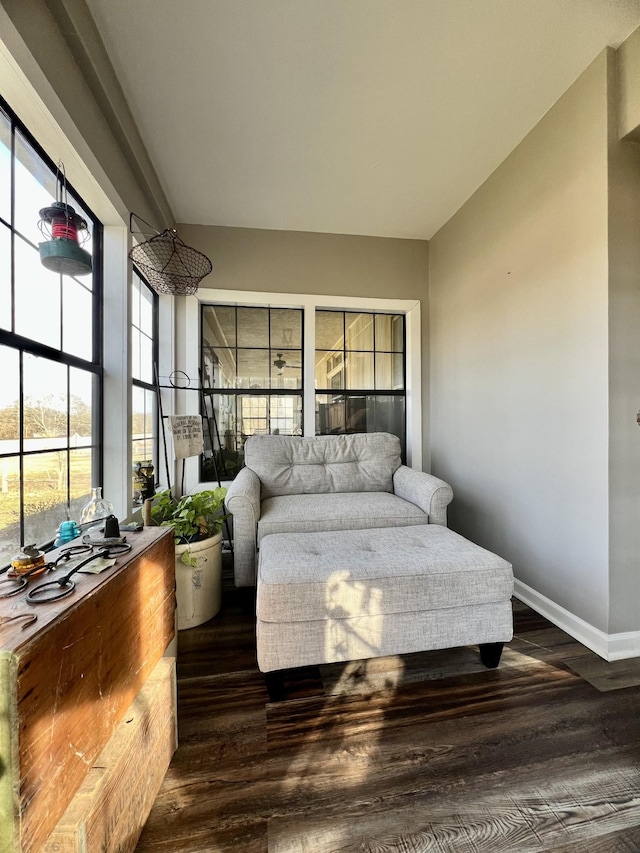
144 395
50 346
252 363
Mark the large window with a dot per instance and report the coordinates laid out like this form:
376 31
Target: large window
144 360
360 373
50 355
252 380
252 373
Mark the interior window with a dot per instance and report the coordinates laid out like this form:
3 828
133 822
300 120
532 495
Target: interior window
252 368
359 373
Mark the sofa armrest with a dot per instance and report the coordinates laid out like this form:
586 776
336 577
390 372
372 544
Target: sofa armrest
243 502
431 494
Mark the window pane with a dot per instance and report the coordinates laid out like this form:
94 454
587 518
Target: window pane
35 189
9 508
80 476
253 415
226 457
146 310
135 353
329 330
143 400
136 285
81 392
360 370
285 414
219 326
138 413
219 369
37 295
45 403
45 495
389 372
359 332
5 167
398 334
286 328
384 371
5 277
9 400
286 369
253 327
361 413
388 416
387 338
330 414
141 450
329 369
146 359
149 413
144 424
397 379
253 369
77 327
357 415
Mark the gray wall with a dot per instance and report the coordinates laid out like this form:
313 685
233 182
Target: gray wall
302 262
535 312
519 355
624 355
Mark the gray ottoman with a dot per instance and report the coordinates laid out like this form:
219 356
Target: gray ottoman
348 595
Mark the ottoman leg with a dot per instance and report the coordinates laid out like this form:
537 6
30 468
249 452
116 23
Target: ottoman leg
275 685
490 654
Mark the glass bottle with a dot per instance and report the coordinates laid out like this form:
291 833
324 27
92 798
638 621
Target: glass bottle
97 508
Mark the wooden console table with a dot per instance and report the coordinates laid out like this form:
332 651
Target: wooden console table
67 680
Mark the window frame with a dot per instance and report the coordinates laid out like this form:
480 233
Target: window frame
141 383
24 345
241 394
188 344
343 389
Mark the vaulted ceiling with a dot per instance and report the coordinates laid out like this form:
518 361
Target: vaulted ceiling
375 117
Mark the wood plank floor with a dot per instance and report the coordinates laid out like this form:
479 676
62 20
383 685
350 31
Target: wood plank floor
429 752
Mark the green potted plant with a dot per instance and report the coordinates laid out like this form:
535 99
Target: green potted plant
197 521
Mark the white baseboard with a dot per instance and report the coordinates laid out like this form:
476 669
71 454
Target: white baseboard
608 646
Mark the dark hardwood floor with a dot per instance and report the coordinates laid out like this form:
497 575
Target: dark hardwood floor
430 752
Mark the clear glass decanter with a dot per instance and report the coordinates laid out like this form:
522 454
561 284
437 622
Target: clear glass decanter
97 508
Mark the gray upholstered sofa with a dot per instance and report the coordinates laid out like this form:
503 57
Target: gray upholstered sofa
327 483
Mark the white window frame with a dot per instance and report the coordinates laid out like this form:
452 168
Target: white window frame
188 351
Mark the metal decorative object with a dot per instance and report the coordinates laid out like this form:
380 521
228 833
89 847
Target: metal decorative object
169 265
64 232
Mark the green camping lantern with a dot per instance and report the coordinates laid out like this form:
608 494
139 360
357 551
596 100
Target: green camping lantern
64 231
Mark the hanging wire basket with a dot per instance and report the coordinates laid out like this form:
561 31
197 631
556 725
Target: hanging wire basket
169 265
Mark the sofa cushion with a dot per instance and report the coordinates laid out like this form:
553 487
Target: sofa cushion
373 573
350 511
291 465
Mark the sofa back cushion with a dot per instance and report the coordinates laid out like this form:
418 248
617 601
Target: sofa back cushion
292 465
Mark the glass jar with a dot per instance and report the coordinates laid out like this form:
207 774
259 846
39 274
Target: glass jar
97 508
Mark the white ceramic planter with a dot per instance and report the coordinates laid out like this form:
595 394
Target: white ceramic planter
199 587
